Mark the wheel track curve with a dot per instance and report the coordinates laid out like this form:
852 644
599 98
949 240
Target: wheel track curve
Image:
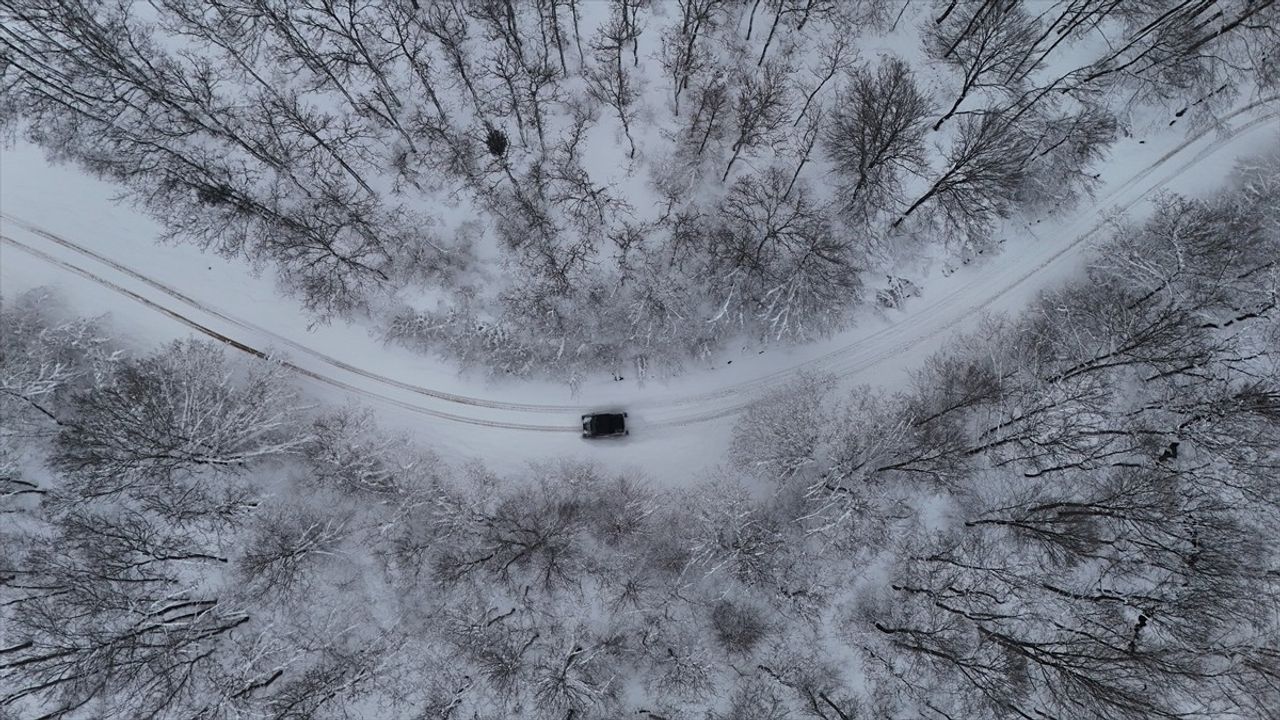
842 361
263 355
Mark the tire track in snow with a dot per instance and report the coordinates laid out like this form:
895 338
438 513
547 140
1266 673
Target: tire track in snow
837 361
262 355
275 337
843 361
862 361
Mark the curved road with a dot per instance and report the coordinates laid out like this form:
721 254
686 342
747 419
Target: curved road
926 321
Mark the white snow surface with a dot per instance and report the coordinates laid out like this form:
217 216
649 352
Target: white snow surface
62 228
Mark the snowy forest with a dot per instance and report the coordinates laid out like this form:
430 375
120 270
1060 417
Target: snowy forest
1070 513
551 187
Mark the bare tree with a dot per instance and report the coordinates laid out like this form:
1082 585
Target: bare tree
343 668
1039 630
776 256
838 56
290 188
988 42
538 537
112 612
984 167
684 54
573 678
733 535
1187 53
791 15
707 122
180 410
410 42
447 24
752 699
1068 147
876 135
590 208
1214 257
760 108
629 10
609 81
802 150
507 71
45 357
528 75
767 439
285 547
739 626
529 225
347 452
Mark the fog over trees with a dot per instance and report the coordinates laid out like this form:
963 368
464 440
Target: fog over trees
1070 512
541 187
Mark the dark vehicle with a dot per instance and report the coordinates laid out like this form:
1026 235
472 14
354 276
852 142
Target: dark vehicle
597 425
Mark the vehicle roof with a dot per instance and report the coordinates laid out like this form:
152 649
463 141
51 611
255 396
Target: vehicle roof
605 423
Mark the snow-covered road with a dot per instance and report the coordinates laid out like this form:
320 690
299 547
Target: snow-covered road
38 239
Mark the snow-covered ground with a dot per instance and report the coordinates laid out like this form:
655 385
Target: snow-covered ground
62 228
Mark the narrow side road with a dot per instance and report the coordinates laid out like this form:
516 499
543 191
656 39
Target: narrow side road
856 351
